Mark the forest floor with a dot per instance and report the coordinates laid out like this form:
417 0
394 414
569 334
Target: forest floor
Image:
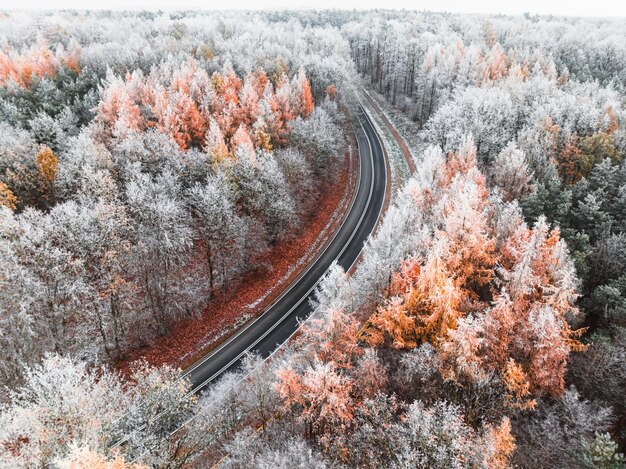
233 307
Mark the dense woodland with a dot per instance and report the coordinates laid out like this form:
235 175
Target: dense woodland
133 188
146 157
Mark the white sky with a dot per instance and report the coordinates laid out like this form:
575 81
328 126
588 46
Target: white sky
604 8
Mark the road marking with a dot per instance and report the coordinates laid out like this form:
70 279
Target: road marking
279 346
314 286
289 289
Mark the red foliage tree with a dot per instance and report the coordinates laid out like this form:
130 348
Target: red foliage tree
320 395
215 145
248 111
183 102
303 98
241 143
429 295
444 297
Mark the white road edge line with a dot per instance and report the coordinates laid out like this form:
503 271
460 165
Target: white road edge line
247 350
291 287
306 295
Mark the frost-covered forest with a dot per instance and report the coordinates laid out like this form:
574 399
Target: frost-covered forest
144 160
147 160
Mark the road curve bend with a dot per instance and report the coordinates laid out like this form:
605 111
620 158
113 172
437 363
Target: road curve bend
281 319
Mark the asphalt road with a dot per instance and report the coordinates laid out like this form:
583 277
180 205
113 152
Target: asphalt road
280 320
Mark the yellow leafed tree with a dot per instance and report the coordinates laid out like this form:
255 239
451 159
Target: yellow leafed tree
7 198
48 167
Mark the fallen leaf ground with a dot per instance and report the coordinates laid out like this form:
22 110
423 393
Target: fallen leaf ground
230 309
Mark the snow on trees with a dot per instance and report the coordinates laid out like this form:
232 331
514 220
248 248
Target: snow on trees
510 173
444 297
162 246
64 404
48 167
177 105
317 137
217 225
151 171
145 160
38 61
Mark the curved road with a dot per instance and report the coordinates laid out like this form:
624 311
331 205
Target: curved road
281 319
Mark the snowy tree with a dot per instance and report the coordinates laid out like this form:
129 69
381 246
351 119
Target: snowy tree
511 175
64 404
262 192
318 137
164 238
217 225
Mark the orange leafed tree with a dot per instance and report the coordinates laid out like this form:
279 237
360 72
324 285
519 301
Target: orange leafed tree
569 161
488 301
262 138
188 125
48 167
118 110
323 394
260 81
225 88
231 86
129 116
531 326
7 198
241 143
428 296
335 338
249 111
518 388
188 105
37 61
7 69
304 98
501 444
423 305
496 67
85 458
469 250
524 335
320 395
281 104
71 60
215 145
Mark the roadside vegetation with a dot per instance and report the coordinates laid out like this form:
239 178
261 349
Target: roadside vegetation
146 158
